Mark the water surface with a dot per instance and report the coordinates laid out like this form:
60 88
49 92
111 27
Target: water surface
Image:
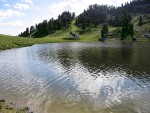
109 77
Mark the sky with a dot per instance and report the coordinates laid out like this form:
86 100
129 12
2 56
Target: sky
17 15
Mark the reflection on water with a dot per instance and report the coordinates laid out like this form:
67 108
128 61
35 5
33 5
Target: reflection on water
110 77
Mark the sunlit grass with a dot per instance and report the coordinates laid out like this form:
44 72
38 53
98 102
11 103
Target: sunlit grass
7 42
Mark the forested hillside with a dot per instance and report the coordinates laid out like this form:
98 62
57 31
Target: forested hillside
99 14
91 18
48 27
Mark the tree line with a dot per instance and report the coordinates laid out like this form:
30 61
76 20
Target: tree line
91 18
114 16
48 27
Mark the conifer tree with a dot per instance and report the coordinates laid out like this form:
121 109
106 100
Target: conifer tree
104 31
140 21
127 29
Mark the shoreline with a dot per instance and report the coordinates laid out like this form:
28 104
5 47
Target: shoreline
10 107
7 47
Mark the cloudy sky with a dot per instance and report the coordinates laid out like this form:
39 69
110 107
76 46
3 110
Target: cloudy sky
16 15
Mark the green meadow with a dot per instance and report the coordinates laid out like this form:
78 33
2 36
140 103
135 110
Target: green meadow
91 35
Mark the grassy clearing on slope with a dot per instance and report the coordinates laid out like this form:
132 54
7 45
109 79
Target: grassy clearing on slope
73 27
92 35
59 36
64 35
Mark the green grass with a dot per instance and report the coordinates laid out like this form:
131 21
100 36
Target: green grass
73 27
91 35
7 42
141 30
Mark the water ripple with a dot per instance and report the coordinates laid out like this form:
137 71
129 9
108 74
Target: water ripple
78 77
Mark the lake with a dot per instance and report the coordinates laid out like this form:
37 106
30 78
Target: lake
109 77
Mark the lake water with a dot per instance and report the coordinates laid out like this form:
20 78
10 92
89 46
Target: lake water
109 77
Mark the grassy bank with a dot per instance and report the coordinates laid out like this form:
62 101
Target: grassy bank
7 42
6 107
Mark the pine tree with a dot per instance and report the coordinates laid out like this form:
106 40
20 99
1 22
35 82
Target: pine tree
32 29
140 21
27 32
131 30
83 27
73 15
104 31
127 29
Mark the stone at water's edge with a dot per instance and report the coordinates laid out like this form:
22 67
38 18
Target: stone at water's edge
147 35
6 107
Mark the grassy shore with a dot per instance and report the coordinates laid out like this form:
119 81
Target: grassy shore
7 42
6 107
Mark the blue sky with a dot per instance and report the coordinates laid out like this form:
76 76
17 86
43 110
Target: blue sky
16 15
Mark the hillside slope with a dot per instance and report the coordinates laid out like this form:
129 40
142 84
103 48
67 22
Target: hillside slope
64 35
7 42
141 30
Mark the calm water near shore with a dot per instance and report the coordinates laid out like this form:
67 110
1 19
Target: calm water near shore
109 77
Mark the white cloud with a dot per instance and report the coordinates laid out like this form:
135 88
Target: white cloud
3 0
12 24
37 8
28 1
10 13
21 6
38 13
12 27
78 6
6 5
